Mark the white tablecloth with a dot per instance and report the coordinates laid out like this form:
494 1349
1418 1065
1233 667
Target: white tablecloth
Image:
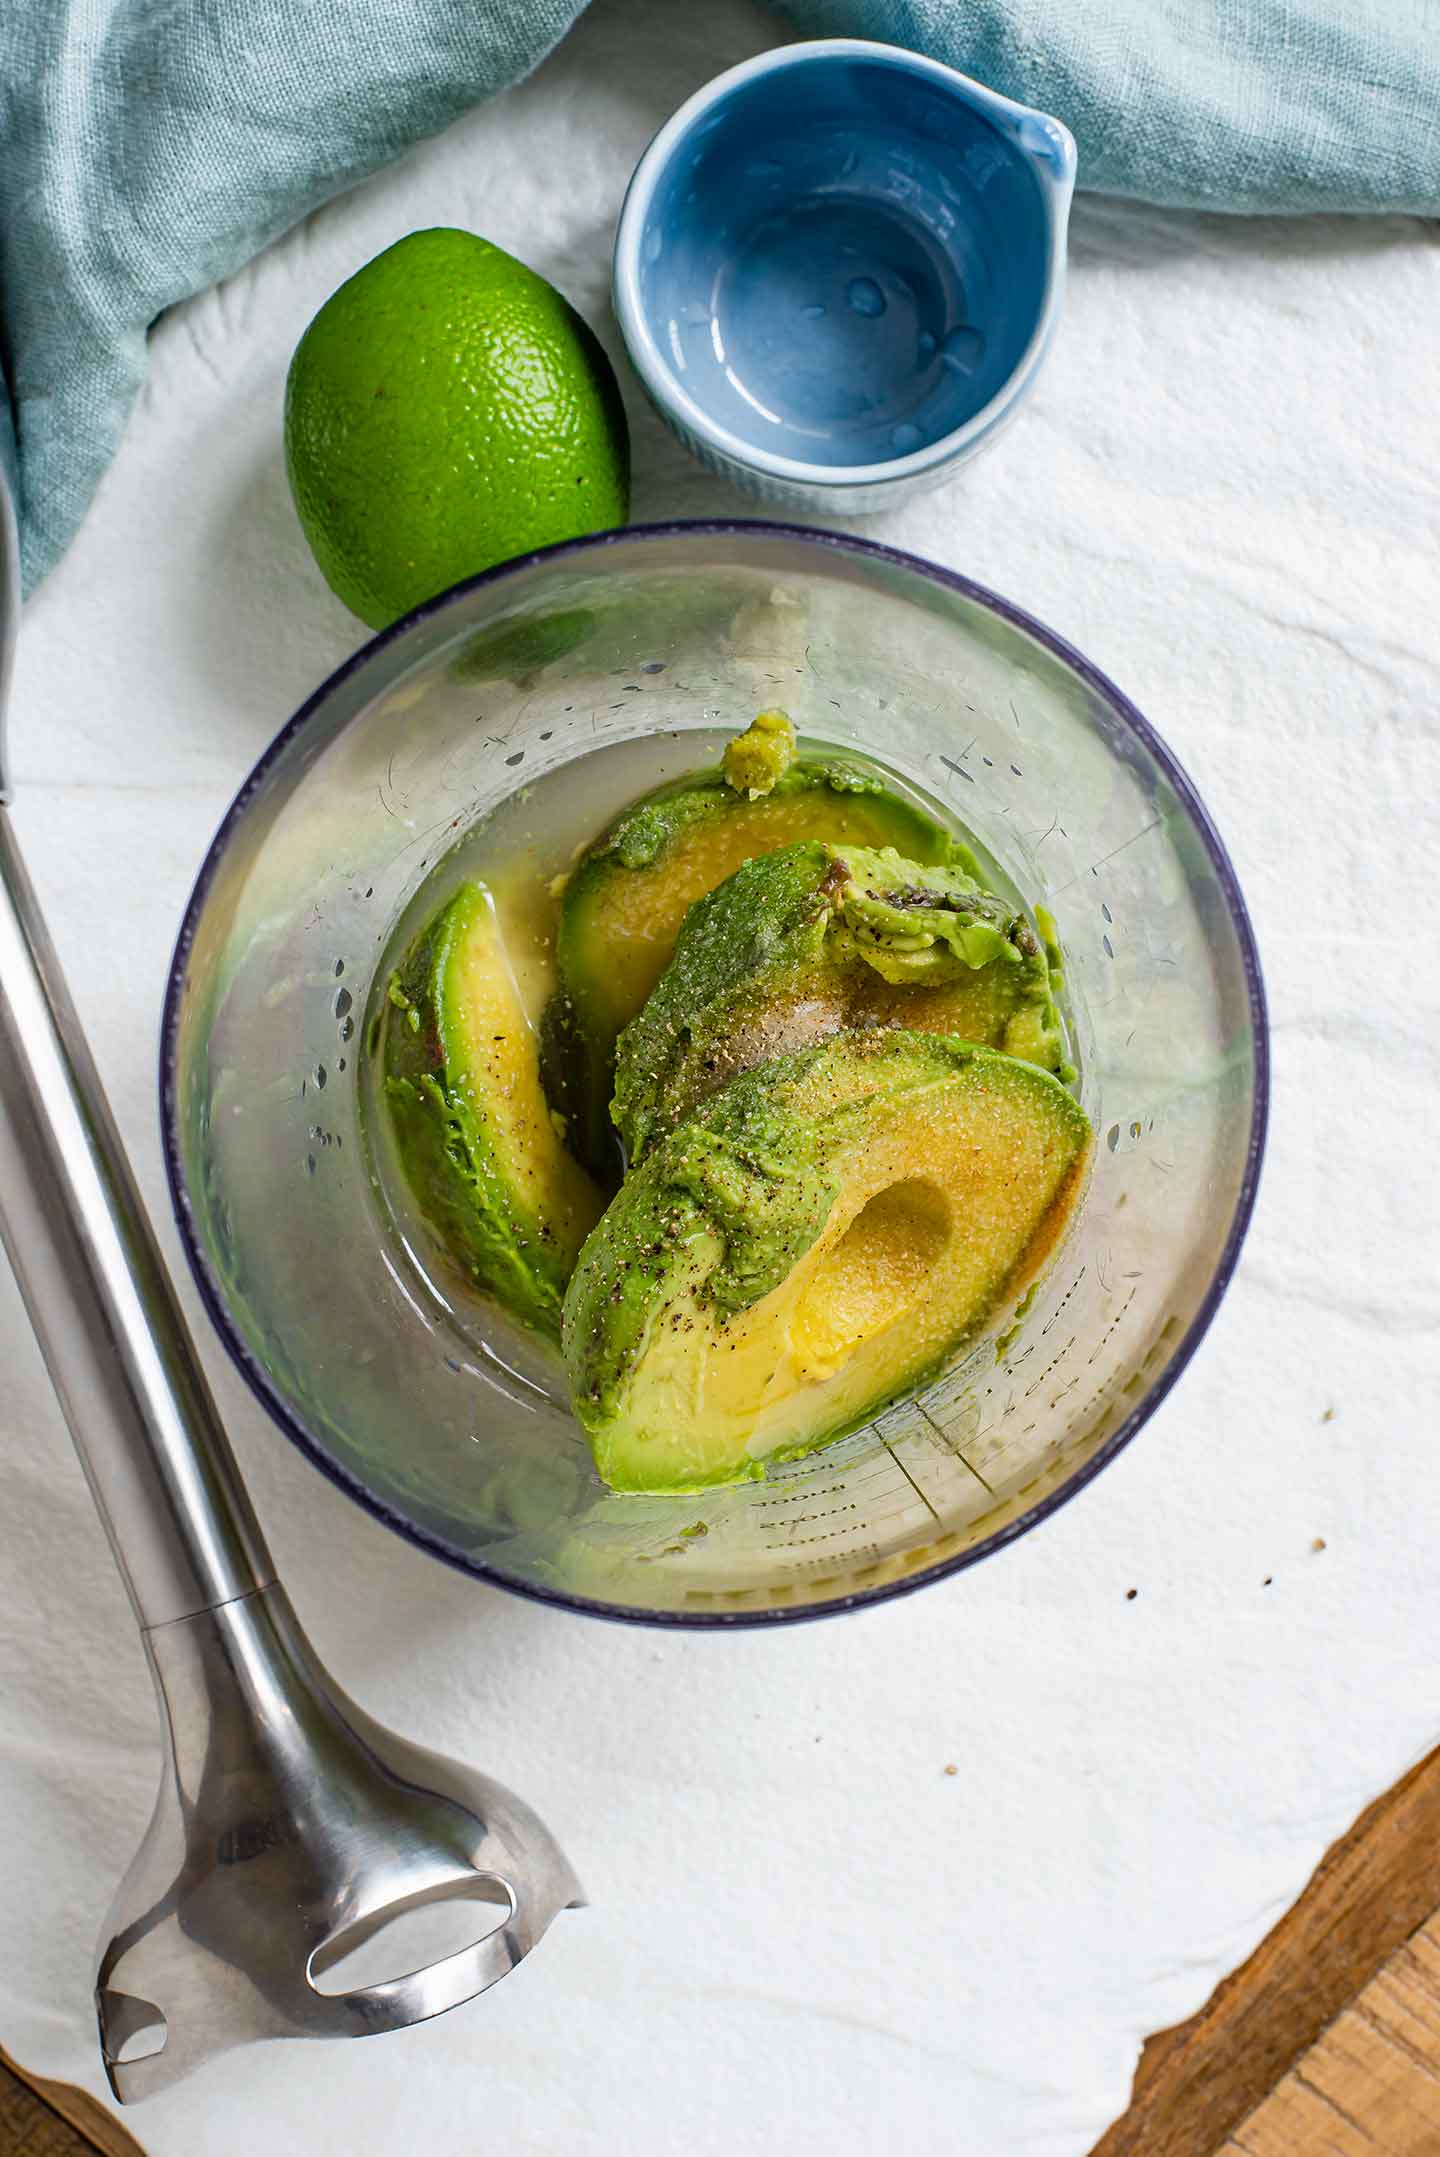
804 1934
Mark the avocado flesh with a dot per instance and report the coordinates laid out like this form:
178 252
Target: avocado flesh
625 900
472 1128
757 760
821 938
818 1237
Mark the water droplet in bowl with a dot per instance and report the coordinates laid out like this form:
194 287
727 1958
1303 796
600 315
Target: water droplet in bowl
866 297
925 344
343 1002
963 348
813 312
906 436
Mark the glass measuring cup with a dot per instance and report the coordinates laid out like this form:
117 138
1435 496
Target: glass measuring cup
426 1410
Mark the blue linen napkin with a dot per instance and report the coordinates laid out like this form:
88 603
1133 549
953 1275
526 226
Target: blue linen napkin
149 147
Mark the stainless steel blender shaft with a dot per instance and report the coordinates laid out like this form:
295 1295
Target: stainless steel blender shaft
289 1827
141 1414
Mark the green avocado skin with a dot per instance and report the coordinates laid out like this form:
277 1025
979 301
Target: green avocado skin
577 1039
445 1150
726 1205
789 932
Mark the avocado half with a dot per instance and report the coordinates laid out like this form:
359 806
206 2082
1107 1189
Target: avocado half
472 1128
627 896
818 1237
814 940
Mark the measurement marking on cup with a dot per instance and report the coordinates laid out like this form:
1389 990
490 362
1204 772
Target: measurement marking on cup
951 1447
1133 840
912 1482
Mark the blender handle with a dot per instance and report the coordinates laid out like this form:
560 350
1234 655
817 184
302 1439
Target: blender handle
119 1352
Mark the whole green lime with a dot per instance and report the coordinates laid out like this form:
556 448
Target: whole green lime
445 410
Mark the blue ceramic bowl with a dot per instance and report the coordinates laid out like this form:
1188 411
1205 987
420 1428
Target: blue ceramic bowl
838 267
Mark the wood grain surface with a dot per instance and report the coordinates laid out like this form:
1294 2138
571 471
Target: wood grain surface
1202 2082
53 2119
1372 2083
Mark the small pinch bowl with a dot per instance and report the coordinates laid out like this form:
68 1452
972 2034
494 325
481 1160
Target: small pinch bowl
838 269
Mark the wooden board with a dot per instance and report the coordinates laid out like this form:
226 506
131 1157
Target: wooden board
1372 1893
1372 2083
53 2119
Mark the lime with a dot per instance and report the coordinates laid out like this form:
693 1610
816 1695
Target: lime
445 410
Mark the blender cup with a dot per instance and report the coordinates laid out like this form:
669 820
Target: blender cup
425 1405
